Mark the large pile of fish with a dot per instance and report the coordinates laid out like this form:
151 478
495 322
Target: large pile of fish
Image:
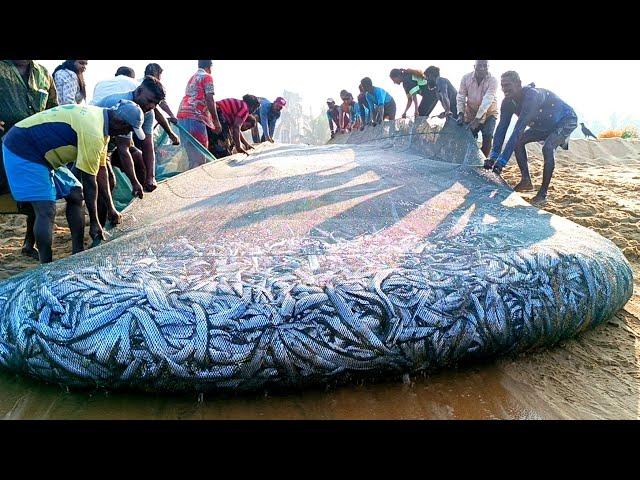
300 265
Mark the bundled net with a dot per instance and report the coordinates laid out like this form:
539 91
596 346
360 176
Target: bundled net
385 252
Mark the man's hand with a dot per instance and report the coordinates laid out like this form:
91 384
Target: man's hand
114 217
217 128
404 115
488 163
271 139
173 120
250 147
1 126
96 232
150 184
475 123
460 119
137 190
174 139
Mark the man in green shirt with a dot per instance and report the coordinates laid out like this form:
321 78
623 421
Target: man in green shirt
26 88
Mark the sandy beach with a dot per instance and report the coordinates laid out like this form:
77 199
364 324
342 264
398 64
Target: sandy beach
595 376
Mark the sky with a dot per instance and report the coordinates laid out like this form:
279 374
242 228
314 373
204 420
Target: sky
594 88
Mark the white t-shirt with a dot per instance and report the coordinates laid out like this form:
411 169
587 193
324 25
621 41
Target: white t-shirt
119 84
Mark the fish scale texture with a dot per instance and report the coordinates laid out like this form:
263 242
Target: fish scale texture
388 251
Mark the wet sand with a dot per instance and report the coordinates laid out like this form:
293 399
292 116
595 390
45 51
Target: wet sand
597 375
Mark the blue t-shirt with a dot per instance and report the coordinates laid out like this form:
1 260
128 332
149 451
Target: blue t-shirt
539 109
267 117
379 97
113 99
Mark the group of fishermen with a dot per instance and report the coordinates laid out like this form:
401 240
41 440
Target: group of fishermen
56 146
542 115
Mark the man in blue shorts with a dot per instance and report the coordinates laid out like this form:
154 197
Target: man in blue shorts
549 119
38 150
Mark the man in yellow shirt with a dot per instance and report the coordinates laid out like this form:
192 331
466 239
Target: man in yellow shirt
38 150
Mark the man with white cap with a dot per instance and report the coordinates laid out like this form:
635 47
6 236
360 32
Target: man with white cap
38 150
333 116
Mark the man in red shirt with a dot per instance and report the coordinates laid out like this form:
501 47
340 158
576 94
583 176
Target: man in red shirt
198 111
233 114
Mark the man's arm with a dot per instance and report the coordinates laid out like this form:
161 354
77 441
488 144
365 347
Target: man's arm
264 120
165 106
211 105
235 133
506 113
330 120
128 167
103 190
149 158
461 98
246 144
444 99
531 102
272 128
488 98
52 99
90 190
410 99
166 127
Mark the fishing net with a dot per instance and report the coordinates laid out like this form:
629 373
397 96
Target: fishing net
388 251
171 160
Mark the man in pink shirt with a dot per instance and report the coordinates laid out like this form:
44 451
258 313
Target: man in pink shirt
198 111
477 103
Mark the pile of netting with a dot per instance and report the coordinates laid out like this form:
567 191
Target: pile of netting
389 251
171 160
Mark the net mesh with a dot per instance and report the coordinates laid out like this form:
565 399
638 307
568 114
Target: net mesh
387 251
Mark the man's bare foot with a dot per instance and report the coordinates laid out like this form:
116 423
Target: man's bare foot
539 200
29 251
524 186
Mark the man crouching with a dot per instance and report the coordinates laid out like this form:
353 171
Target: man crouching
38 151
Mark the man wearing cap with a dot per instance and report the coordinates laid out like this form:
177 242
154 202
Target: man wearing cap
267 115
37 151
333 116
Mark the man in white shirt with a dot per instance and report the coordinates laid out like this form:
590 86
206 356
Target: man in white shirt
124 81
477 103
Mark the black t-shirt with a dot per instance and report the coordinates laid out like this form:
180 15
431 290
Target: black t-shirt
411 85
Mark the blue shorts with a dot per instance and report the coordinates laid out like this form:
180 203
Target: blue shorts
33 182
